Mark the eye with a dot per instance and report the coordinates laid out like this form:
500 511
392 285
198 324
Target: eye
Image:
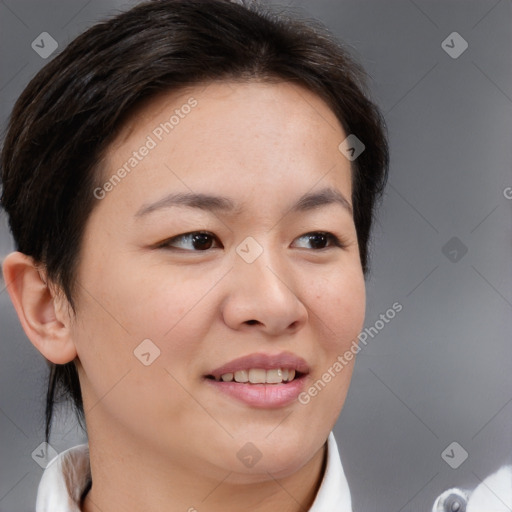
200 241
318 240
196 241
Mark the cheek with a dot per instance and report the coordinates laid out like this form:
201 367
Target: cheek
124 304
114 376
340 303
339 309
147 301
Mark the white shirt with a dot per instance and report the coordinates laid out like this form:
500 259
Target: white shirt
69 473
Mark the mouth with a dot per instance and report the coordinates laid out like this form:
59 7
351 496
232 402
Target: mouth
261 380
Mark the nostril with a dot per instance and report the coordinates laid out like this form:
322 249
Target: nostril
252 322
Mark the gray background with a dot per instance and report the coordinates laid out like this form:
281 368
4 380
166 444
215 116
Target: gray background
440 370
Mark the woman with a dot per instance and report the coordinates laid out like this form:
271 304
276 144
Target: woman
191 187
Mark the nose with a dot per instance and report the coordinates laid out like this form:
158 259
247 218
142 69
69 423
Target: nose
263 295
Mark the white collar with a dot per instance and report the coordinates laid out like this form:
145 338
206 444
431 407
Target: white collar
333 493
68 474
63 481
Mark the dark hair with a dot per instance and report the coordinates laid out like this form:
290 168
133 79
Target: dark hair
64 120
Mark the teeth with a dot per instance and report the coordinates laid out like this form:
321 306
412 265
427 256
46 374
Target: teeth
241 376
274 376
259 376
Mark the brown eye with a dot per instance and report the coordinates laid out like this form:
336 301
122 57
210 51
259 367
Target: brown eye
320 239
195 241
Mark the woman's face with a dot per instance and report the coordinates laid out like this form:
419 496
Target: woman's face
160 315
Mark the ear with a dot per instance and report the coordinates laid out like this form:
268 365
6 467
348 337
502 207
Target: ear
40 310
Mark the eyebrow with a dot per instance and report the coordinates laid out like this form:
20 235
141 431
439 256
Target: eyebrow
308 201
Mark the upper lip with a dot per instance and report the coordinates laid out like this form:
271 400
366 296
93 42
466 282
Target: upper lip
264 361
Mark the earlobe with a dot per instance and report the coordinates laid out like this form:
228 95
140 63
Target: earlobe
44 324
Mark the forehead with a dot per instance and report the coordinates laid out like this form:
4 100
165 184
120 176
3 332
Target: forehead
272 95
230 135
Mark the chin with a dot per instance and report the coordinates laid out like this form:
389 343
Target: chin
278 468
280 453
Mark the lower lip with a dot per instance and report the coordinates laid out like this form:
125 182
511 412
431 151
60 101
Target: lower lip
265 396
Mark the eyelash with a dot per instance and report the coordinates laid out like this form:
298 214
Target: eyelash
166 244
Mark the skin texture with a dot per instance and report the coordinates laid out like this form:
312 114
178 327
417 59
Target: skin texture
160 437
